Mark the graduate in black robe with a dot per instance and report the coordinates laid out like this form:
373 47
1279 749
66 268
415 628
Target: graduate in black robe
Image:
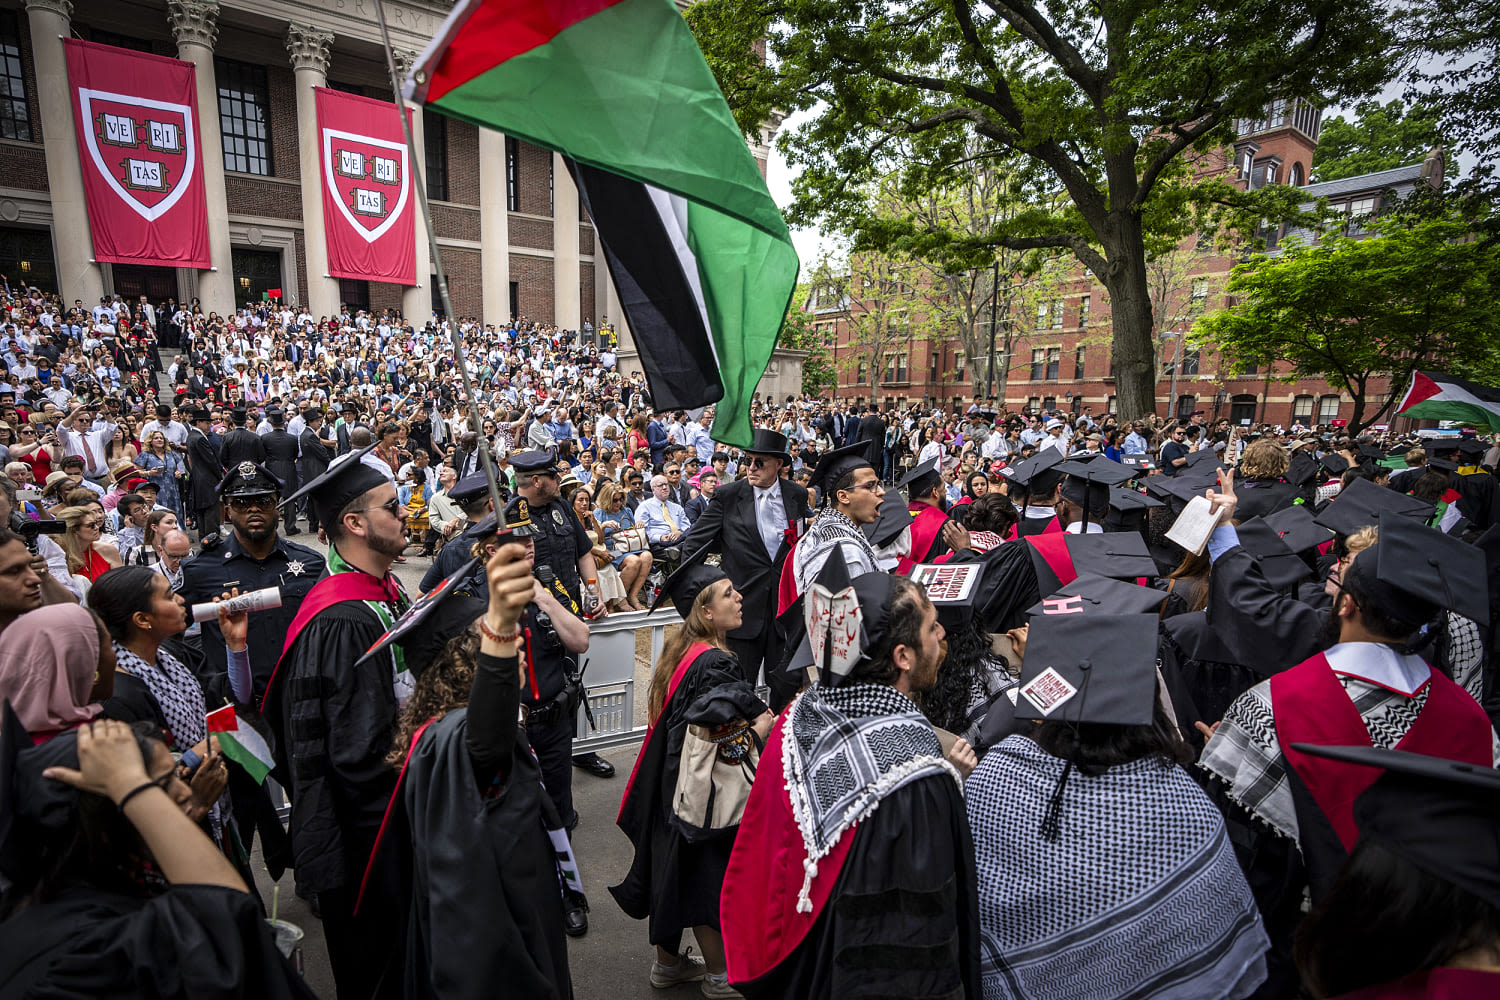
102 907
674 881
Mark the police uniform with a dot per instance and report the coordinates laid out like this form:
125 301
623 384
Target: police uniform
563 538
560 543
224 564
457 550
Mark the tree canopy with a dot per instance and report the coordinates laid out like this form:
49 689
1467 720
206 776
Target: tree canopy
1418 294
1112 113
1379 137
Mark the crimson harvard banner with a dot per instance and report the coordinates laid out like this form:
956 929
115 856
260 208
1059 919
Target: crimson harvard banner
368 210
137 122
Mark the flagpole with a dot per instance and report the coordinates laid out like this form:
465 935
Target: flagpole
442 280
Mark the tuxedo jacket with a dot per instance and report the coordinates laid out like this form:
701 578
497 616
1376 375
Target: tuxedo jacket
729 528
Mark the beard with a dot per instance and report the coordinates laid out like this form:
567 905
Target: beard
389 546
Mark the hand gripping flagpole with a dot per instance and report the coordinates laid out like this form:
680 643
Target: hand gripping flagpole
442 280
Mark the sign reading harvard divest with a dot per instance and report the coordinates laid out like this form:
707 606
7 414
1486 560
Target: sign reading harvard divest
368 210
137 121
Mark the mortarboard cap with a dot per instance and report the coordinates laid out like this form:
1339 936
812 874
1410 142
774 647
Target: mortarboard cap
1092 668
1278 563
836 464
1361 502
1036 475
1121 555
1302 468
891 519
1295 526
1333 463
1439 446
1440 815
1142 463
921 479
1472 447
1098 470
845 617
1443 464
347 479
687 582
1412 569
1100 595
1200 457
1126 500
422 619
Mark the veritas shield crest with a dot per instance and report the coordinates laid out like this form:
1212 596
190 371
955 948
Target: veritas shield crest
368 179
144 149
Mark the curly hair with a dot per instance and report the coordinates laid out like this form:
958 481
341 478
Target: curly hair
441 688
963 670
1265 459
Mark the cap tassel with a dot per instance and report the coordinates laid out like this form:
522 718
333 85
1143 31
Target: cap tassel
1052 821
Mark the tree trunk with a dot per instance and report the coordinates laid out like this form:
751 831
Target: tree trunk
1130 315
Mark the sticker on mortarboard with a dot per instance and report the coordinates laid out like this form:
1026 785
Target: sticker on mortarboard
950 584
1048 691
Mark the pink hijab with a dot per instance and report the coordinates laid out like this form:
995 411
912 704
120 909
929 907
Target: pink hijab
48 659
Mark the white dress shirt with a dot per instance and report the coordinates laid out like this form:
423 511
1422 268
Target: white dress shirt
770 517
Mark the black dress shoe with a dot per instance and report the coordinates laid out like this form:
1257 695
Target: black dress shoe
575 914
594 764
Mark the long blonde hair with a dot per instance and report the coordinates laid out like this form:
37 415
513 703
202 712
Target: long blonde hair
72 517
694 629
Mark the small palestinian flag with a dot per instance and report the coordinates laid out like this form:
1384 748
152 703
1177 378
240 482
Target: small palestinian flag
696 246
1434 396
240 743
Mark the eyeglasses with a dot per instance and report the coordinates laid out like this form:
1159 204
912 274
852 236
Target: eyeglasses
757 462
874 486
91 524
391 507
263 501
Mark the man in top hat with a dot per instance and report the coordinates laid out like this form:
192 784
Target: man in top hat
753 523
281 459
1290 813
204 473
855 802
241 444
333 722
315 449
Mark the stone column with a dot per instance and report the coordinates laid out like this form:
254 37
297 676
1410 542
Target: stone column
494 228
416 301
565 298
195 25
308 49
78 277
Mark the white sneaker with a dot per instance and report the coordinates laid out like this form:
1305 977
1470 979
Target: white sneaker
719 989
687 970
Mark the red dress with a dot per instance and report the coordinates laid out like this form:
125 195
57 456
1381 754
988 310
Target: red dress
94 566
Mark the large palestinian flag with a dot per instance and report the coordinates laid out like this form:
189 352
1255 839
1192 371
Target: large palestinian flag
1442 397
697 248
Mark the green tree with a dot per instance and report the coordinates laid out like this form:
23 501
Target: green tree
1379 137
1459 77
1419 294
1107 109
799 334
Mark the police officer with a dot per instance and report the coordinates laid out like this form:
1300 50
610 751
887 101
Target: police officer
251 556
472 495
563 547
553 637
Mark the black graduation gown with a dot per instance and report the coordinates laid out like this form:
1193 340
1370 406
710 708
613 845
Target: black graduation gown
903 918
193 942
1259 497
132 701
1478 499
486 911
674 882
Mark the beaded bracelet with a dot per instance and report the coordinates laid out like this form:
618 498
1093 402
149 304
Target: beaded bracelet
494 636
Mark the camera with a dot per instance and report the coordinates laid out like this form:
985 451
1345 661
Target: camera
29 529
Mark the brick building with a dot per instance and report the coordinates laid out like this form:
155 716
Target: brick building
1061 355
513 238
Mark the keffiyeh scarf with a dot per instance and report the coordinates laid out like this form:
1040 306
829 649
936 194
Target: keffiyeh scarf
175 689
846 749
1141 896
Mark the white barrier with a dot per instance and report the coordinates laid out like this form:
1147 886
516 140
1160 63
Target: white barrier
609 679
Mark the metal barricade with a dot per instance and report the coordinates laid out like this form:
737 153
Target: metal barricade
610 679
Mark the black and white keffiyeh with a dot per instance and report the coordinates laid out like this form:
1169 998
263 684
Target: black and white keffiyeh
175 689
1142 897
846 748
832 527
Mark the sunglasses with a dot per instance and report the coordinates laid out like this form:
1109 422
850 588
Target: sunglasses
264 501
391 506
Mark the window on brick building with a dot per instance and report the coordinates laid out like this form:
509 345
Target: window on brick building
1302 410
512 174
244 116
1057 314
1361 211
1049 402
354 293
1054 363
1294 177
1083 310
1200 294
1043 311
1185 406
120 41
1328 409
895 367
958 365
1078 358
1109 404
862 373
15 113
935 371
435 154
1038 364
1032 402
1191 359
